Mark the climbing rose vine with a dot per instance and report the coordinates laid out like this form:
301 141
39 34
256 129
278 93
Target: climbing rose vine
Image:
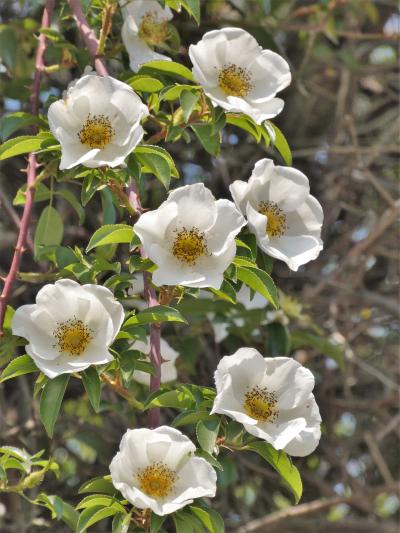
152 263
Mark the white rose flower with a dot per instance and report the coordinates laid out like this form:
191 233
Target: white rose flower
190 237
282 214
70 327
168 355
145 26
238 75
156 469
271 397
97 122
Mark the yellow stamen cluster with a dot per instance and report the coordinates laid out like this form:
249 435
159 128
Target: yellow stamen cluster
261 404
152 30
96 132
235 81
189 246
157 480
72 336
276 225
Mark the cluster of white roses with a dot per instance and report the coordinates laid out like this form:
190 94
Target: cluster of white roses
191 240
72 327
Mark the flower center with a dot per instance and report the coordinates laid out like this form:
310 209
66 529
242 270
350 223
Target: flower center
235 81
157 480
189 245
96 132
72 336
261 404
276 225
152 30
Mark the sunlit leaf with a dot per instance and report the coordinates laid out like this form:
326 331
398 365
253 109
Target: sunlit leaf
282 464
259 281
170 68
111 234
18 367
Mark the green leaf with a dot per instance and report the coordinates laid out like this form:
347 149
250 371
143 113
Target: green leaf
173 92
121 523
73 201
111 234
193 8
210 142
145 366
218 119
189 417
158 313
18 366
259 281
60 509
107 203
16 121
50 401
94 514
92 384
68 514
170 68
41 193
244 262
156 165
26 143
10 312
174 398
65 256
90 185
225 292
278 340
19 454
209 458
58 39
282 464
134 167
186 523
248 242
245 124
105 500
145 84
281 143
209 518
157 150
98 484
11 463
207 433
128 363
8 46
156 522
188 100
51 34
157 161
49 229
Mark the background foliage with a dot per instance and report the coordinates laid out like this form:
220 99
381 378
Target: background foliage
341 121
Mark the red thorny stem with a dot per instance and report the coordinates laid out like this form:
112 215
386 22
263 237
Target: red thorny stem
92 44
31 171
